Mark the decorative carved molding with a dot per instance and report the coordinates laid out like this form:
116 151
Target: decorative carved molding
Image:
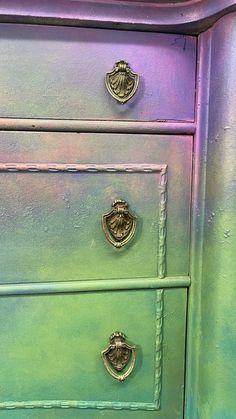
189 17
109 168
74 167
158 343
162 223
65 404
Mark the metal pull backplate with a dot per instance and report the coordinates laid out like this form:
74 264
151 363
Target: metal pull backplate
119 357
119 225
122 83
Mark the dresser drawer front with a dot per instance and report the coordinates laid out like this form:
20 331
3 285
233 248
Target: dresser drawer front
50 351
59 72
52 204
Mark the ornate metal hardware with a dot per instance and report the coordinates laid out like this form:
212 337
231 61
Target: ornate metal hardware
119 355
119 225
122 83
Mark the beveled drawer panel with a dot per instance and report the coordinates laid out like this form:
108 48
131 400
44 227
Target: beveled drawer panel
55 188
59 72
50 353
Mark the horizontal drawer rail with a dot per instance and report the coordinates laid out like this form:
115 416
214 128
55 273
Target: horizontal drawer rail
76 125
94 285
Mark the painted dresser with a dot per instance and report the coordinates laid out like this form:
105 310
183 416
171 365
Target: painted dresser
117 210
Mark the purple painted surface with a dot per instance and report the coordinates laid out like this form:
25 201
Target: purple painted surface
61 71
188 17
78 125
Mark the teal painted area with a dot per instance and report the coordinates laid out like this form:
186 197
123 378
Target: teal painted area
223 414
75 414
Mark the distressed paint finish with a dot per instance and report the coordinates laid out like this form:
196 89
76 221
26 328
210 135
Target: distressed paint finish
83 169
212 335
48 58
212 362
51 222
61 338
60 334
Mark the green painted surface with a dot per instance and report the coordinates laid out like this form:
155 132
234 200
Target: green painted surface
211 366
50 350
60 340
50 230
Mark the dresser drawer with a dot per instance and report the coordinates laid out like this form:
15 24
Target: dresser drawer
61 73
56 188
50 352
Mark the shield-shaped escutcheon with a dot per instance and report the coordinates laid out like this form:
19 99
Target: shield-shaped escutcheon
119 355
122 83
119 225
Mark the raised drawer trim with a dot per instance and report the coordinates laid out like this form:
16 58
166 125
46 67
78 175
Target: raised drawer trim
74 167
24 288
66 404
109 168
85 125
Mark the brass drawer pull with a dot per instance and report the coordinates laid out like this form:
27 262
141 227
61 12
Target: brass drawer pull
119 225
122 83
119 355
